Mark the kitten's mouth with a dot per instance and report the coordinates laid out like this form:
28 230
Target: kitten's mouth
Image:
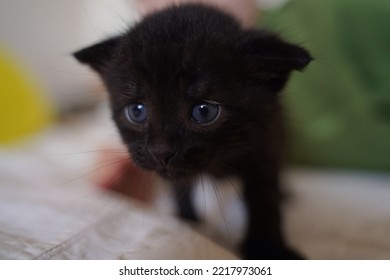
171 173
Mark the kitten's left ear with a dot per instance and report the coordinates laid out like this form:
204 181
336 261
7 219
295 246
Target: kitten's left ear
98 55
271 57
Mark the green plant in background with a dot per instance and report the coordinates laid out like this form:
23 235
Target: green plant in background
339 109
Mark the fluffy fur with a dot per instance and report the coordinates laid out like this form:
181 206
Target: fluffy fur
193 54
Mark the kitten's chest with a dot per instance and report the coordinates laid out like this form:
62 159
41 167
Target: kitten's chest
219 204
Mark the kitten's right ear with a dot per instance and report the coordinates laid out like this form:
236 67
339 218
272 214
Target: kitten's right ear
97 56
272 53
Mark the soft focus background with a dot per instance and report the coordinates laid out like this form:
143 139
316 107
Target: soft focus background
40 36
49 103
55 128
340 107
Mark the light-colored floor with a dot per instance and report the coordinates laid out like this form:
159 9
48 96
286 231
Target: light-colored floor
49 209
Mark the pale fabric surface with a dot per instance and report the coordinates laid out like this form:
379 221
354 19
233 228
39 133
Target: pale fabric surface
340 215
48 210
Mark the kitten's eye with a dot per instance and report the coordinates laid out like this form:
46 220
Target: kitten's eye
205 113
136 113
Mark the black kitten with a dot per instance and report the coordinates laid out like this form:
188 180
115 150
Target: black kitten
193 92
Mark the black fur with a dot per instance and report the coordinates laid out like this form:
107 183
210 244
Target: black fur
186 55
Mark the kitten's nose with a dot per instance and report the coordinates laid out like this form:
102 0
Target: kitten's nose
162 153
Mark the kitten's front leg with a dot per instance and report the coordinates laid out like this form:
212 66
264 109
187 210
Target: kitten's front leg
264 238
183 198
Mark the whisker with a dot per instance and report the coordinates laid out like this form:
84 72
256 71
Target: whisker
87 16
92 171
216 193
113 151
205 197
239 194
101 92
87 74
220 203
134 184
119 174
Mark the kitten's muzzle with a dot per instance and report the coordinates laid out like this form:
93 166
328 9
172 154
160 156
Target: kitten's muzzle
162 154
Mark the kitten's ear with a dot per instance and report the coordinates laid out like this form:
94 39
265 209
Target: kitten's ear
97 56
272 55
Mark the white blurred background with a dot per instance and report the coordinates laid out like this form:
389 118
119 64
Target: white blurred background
44 33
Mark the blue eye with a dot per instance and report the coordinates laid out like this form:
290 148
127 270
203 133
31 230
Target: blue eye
136 113
205 113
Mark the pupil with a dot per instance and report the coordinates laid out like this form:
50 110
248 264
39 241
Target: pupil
204 111
137 111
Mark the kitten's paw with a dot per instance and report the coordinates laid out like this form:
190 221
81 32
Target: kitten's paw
265 252
287 254
290 254
188 215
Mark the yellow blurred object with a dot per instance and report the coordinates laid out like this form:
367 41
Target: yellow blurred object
23 108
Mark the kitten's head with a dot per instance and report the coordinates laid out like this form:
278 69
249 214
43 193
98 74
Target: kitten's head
190 88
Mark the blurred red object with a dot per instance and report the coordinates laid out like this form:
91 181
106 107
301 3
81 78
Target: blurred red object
115 171
244 10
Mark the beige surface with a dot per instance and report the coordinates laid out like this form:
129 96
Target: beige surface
340 215
73 220
48 210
